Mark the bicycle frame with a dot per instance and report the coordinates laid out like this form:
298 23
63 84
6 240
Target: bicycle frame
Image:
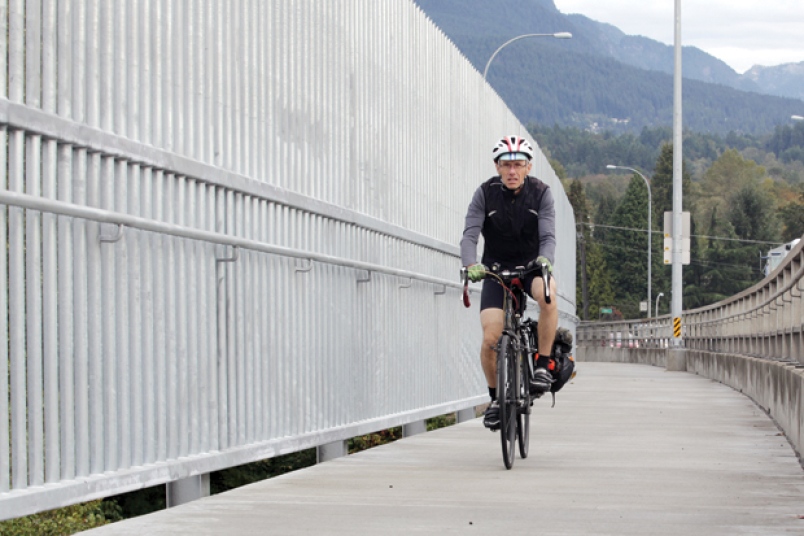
514 364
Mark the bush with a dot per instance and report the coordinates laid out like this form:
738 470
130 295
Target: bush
61 521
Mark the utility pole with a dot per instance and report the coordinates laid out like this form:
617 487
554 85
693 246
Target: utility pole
677 359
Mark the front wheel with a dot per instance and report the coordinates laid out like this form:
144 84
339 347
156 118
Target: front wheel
507 383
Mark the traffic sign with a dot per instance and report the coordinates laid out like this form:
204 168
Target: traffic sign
685 237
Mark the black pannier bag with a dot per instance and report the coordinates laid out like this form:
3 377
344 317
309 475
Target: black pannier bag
564 369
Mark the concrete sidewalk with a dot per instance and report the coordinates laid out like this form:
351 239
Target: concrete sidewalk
628 449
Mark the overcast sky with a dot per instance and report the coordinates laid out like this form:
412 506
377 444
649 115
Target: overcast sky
742 33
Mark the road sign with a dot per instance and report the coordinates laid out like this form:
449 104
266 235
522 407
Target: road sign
677 327
685 237
605 310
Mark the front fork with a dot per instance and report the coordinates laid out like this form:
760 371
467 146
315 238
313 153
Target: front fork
529 351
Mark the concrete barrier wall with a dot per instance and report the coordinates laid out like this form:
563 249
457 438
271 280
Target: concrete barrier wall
607 354
775 386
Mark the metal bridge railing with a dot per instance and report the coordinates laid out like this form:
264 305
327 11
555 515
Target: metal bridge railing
766 320
230 233
131 407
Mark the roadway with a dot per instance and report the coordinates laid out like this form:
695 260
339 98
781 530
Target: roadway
628 449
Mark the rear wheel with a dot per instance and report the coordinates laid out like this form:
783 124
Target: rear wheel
523 414
507 376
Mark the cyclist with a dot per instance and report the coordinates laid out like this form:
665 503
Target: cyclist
515 213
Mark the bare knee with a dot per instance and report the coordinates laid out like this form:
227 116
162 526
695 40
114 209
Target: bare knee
490 336
537 291
551 307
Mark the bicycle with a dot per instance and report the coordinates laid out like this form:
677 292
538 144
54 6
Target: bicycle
514 365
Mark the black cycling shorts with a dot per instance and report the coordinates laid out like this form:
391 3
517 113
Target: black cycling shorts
492 294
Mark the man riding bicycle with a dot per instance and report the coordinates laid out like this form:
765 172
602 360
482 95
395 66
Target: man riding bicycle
516 215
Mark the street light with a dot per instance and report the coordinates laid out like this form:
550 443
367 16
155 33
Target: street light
797 118
657 303
650 226
559 35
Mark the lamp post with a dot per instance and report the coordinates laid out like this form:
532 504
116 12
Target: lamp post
657 303
650 226
558 35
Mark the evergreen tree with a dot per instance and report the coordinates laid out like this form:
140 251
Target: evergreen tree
605 210
590 260
694 295
601 286
580 207
662 184
725 273
752 212
626 249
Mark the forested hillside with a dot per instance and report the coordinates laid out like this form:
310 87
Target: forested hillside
600 79
745 195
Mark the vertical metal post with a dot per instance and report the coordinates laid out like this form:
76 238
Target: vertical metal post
187 489
676 359
5 407
413 428
330 451
466 414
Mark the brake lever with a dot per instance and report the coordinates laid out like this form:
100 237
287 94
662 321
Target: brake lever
465 277
546 280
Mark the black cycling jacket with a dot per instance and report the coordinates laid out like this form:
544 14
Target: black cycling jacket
516 228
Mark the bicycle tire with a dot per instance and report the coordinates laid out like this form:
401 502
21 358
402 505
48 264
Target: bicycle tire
507 395
523 415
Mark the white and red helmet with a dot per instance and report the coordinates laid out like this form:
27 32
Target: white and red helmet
512 148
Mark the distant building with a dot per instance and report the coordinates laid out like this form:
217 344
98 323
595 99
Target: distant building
776 255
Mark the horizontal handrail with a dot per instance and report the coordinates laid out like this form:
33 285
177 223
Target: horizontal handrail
105 216
62 208
761 321
52 126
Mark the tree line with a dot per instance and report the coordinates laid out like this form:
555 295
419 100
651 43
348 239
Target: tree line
740 209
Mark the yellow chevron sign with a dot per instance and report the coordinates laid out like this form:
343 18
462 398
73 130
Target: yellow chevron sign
677 327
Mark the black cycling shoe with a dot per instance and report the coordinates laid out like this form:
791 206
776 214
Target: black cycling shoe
491 419
541 382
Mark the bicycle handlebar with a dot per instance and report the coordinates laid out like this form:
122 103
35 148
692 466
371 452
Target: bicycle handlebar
509 275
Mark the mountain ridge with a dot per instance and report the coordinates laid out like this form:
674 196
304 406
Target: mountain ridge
604 78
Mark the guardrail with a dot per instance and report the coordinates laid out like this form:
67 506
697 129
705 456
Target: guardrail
762 321
644 333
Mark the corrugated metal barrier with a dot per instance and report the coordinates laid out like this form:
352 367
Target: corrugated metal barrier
231 233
